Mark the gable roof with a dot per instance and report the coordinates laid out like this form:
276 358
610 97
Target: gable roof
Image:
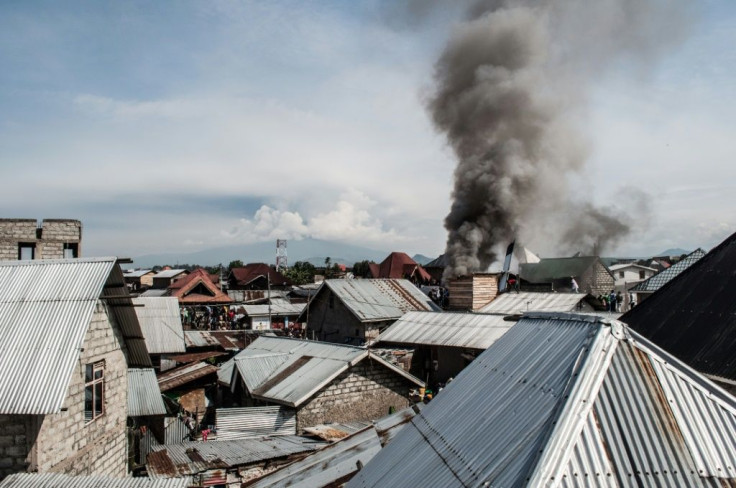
550 269
45 311
185 289
618 267
694 315
567 401
525 301
252 271
160 321
375 300
471 330
290 371
399 265
660 279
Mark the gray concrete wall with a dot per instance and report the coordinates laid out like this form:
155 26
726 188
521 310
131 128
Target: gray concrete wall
364 392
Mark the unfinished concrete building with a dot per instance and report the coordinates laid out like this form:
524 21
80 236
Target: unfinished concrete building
49 239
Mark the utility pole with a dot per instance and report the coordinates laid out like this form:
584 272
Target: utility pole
268 277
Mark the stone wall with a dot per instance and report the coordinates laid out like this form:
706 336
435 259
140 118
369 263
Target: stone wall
364 392
49 238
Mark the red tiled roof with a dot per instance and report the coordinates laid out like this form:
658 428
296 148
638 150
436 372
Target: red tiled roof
253 271
184 289
399 265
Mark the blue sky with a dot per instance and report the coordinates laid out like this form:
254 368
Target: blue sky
170 126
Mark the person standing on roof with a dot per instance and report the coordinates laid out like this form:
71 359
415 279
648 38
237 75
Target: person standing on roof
574 285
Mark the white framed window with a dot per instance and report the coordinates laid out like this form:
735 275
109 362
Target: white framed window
94 391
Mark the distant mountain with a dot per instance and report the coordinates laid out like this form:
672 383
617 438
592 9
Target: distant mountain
674 252
422 259
313 250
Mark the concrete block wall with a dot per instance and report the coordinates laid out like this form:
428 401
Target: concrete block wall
16 439
57 232
364 392
49 243
13 231
66 443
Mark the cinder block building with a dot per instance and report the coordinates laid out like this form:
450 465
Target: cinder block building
50 239
321 382
356 311
68 335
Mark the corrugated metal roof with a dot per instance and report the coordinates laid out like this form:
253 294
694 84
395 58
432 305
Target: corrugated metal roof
693 316
567 401
136 273
380 299
184 374
45 311
229 340
160 321
526 301
225 372
189 458
551 269
151 293
663 277
55 480
241 423
330 466
277 308
169 273
290 371
471 330
144 396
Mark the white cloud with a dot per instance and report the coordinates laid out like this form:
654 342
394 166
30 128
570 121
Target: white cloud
351 219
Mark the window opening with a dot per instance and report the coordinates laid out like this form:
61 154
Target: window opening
94 391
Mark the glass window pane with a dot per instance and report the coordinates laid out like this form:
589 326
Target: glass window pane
98 399
88 373
98 373
88 403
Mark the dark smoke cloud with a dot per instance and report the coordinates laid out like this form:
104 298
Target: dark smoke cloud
510 92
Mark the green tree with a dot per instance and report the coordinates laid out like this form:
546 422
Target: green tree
235 264
301 273
362 269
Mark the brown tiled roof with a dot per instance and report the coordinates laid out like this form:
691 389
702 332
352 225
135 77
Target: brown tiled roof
399 265
183 289
253 271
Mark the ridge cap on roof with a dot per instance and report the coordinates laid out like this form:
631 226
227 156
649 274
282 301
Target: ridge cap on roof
304 341
41 262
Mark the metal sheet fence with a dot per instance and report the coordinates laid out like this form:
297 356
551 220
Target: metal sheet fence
240 423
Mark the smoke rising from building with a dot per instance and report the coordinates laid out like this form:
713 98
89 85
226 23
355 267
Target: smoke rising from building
510 97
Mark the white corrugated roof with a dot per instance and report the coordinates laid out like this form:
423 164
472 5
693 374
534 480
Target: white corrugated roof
567 401
472 330
278 307
56 480
526 301
144 395
380 299
169 273
45 310
161 324
290 371
136 273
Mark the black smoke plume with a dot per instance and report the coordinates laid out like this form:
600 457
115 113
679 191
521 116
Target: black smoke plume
510 97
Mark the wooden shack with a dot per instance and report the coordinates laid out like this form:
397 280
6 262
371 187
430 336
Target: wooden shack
473 292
